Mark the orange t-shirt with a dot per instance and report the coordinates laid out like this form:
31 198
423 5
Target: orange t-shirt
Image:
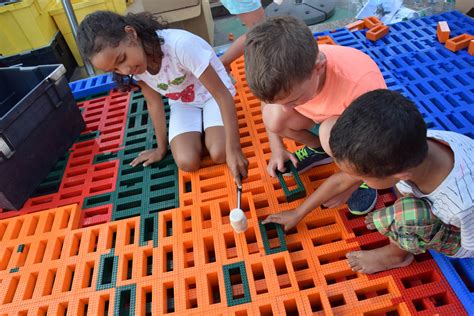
349 74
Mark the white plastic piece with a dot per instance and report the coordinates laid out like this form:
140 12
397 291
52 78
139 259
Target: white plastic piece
238 221
279 2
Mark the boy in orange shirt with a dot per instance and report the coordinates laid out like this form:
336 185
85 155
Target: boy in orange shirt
304 85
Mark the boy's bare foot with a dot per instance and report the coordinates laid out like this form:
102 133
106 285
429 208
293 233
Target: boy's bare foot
369 221
380 259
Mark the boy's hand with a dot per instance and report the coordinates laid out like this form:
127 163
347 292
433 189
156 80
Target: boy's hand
287 219
277 161
148 157
237 164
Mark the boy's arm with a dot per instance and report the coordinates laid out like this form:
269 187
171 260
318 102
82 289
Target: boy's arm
275 140
156 111
233 52
235 158
279 154
333 186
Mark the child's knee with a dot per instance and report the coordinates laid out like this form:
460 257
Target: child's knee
273 118
325 133
188 163
217 154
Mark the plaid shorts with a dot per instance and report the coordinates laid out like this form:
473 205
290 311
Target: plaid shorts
410 223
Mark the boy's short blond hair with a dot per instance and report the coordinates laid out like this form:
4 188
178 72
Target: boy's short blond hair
279 53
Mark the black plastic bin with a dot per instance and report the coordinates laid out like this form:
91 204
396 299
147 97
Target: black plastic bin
57 52
39 121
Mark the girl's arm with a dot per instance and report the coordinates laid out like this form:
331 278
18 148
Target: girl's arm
156 110
235 158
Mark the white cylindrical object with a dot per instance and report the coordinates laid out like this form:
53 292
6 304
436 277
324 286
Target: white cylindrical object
238 221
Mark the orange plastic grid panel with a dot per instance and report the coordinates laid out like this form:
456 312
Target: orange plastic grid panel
186 268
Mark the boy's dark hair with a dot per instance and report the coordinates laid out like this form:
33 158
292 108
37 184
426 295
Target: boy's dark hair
380 134
107 29
280 53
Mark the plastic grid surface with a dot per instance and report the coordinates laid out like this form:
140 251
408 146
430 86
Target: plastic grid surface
188 260
105 119
139 190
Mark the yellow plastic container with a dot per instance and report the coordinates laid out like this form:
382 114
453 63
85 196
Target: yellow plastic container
25 26
81 8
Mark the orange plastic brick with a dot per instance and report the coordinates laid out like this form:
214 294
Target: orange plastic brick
356 26
371 21
377 32
471 48
326 40
459 42
443 31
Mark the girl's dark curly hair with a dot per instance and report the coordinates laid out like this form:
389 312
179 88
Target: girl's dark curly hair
107 29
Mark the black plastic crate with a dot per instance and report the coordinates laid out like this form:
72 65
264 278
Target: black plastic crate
57 52
39 121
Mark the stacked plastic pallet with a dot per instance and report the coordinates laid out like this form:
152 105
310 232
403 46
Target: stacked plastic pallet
127 245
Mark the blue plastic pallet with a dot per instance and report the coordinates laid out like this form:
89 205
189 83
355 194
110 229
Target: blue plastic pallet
460 275
415 64
89 86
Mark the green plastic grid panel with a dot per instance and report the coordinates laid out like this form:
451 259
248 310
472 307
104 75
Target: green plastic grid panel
297 193
142 191
228 272
266 242
53 180
122 308
87 136
97 200
107 276
104 157
139 191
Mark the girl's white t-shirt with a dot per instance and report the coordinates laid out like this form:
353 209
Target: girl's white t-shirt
185 57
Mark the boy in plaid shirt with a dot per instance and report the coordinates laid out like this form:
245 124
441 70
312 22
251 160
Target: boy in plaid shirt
381 139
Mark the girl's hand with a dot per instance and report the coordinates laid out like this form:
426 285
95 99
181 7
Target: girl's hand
238 164
148 157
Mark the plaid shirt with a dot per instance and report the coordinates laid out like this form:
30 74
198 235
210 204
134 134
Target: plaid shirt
410 223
